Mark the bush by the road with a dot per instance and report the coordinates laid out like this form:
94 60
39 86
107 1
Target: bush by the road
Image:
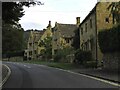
81 57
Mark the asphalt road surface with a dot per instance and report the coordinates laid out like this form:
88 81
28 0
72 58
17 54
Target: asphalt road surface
40 76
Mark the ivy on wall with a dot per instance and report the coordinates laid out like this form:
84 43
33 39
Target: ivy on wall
109 40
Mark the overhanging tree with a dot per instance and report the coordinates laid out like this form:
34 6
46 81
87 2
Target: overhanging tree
12 32
114 7
76 39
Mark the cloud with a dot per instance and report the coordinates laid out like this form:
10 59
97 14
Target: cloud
31 25
61 11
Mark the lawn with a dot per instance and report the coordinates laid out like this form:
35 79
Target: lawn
67 66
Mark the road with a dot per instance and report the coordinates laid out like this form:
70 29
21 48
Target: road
40 76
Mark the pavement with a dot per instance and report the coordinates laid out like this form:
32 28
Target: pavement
5 74
110 75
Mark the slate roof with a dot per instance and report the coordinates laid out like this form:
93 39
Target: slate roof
67 30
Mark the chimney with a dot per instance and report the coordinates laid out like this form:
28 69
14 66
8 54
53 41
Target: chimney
49 23
77 21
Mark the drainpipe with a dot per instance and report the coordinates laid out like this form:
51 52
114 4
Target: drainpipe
96 38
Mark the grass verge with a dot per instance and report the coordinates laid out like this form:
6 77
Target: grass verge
67 66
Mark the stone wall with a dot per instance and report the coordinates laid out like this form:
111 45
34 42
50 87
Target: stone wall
111 61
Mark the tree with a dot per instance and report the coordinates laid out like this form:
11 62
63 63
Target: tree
12 38
47 44
12 32
76 40
62 54
13 11
114 7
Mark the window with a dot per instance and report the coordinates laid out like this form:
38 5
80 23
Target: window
55 39
82 46
91 44
81 31
85 48
30 44
107 20
35 51
36 43
67 40
86 27
30 53
90 23
88 45
55 51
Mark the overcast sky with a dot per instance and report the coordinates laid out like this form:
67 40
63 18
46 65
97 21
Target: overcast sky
61 11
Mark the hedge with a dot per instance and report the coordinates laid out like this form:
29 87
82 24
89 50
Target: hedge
82 57
13 54
109 40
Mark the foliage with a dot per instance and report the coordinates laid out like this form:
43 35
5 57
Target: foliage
26 38
47 44
12 38
109 40
76 39
12 32
114 7
61 54
14 54
82 57
13 11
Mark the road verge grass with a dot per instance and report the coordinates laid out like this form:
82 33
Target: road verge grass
67 66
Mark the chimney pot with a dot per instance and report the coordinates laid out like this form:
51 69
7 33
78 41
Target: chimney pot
78 21
49 23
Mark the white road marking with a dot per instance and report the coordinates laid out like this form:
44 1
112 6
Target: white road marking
26 66
95 78
39 65
7 76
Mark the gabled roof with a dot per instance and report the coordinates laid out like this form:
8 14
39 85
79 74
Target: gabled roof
66 30
36 36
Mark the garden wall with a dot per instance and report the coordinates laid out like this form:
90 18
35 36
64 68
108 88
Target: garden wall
111 61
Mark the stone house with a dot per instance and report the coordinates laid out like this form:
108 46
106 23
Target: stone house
32 46
98 19
47 33
63 35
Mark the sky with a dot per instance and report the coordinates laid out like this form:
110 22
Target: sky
61 11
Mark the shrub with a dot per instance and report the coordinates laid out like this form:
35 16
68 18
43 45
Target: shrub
61 54
58 56
82 56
